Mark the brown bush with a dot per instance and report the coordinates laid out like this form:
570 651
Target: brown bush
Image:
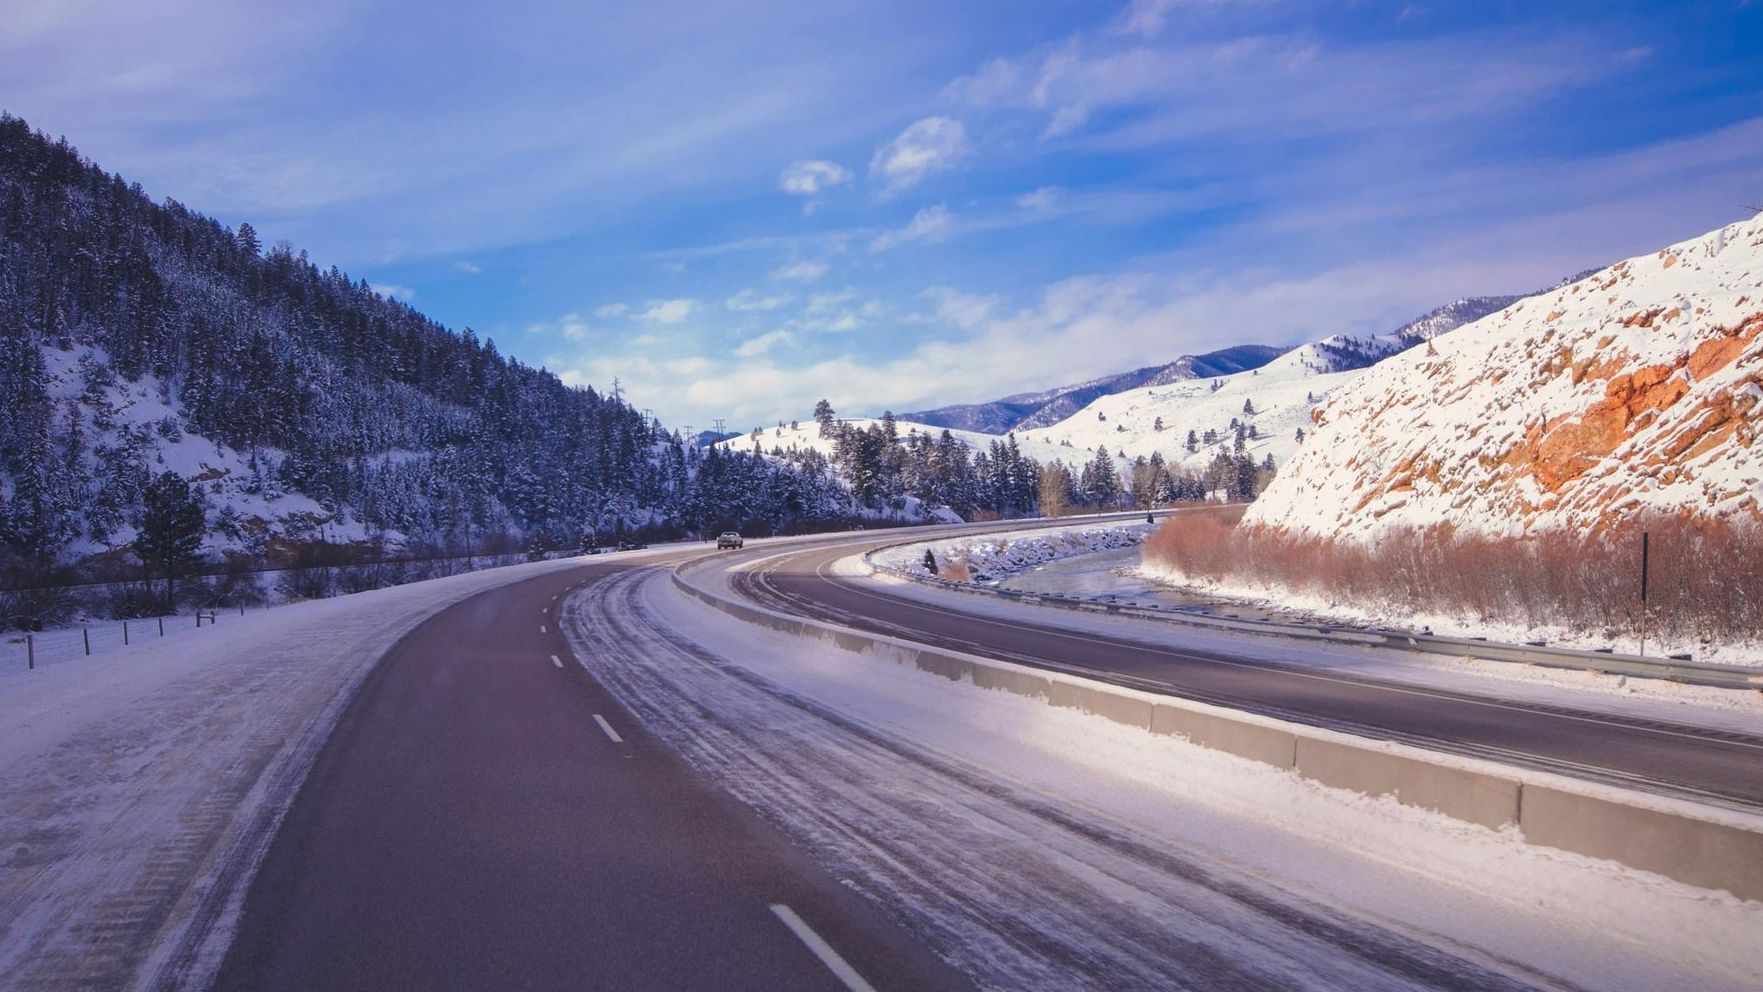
955 570
1706 576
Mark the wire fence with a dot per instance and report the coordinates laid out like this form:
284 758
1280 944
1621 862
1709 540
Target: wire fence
267 589
45 648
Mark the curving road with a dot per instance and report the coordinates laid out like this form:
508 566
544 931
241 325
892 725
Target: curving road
486 816
1708 765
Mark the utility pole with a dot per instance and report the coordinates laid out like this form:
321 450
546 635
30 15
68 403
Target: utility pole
720 424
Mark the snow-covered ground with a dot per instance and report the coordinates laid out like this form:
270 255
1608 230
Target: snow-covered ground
1043 848
992 556
1634 389
137 415
805 436
1278 598
1282 393
1655 699
138 789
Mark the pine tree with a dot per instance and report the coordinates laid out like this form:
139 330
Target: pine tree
248 242
172 526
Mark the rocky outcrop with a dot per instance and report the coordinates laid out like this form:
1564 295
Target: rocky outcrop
1638 388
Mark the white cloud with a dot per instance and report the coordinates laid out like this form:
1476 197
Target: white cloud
668 311
751 299
928 225
1040 199
393 291
925 148
570 326
807 270
611 310
964 310
810 177
821 302
469 268
753 347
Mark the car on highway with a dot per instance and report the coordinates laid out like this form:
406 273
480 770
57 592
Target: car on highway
730 539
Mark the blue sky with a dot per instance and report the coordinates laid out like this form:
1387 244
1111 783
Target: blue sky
738 209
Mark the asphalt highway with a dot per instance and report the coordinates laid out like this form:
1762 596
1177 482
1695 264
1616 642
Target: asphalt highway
1710 765
486 817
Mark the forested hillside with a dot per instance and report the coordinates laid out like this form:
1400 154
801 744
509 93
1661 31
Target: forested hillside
139 337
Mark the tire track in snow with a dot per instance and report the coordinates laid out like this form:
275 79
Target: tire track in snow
1008 883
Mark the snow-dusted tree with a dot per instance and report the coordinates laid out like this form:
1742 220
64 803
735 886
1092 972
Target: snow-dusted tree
169 541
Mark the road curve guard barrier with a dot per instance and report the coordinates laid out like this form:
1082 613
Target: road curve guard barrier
1701 846
1602 662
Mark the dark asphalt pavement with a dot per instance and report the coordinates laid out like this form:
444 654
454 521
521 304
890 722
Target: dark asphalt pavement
1671 758
470 825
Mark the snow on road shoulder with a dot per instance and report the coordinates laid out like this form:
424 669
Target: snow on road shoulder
1656 699
1359 862
138 790
992 556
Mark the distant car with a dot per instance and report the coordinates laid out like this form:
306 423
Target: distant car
730 539
631 545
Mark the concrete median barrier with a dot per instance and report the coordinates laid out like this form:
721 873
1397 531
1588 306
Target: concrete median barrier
1412 779
1268 745
1710 855
1104 701
1696 849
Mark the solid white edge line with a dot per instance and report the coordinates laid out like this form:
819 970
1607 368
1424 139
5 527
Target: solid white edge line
822 950
557 661
608 728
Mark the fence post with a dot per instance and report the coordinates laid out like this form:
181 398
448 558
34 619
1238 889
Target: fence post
86 636
30 651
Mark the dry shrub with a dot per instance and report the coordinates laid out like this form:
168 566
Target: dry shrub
955 570
1706 576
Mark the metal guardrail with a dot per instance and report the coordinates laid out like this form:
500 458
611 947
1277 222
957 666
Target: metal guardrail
1601 662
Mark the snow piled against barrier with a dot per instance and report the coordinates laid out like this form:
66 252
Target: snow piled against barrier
993 556
1044 847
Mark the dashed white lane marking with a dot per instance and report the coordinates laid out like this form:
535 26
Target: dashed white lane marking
542 629
544 610
557 661
822 949
608 728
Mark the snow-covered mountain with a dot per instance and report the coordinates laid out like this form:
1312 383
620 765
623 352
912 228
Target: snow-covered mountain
1025 411
1637 388
1272 404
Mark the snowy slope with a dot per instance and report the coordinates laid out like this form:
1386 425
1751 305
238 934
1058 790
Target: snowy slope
1043 408
806 436
242 494
1283 393
1636 388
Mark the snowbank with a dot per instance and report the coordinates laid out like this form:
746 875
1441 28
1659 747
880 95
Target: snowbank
138 790
992 556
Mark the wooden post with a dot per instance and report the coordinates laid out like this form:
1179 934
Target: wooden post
30 651
161 626
86 636
125 633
